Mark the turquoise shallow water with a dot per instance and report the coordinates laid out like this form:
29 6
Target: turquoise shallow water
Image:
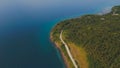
25 27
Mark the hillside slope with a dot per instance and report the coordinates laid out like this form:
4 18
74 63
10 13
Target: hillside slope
98 35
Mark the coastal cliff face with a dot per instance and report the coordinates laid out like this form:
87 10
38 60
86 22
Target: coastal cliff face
94 40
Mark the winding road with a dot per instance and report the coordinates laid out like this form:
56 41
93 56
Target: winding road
68 51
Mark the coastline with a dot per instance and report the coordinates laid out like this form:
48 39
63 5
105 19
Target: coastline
62 55
57 46
58 43
66 59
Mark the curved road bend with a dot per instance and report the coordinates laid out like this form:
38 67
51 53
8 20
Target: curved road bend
68 51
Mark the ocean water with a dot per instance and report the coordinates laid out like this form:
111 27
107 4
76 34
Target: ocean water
25 27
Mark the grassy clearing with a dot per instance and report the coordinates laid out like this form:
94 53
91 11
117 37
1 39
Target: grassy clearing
79 55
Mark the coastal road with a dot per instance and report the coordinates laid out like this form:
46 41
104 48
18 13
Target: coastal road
68 51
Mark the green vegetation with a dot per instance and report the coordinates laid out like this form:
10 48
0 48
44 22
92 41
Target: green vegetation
99 35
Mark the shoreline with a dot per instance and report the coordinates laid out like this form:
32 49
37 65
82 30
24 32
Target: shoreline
63 57
57 42
68 51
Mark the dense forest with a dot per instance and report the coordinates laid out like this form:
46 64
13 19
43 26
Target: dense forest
98 34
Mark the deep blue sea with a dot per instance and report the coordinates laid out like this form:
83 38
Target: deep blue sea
25 26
